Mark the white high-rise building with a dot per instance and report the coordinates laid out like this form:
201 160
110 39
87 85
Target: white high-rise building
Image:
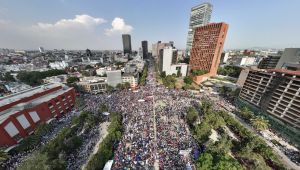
200 16
169 62
41 49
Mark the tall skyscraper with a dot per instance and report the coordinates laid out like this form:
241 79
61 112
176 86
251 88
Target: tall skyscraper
145 49
126 43
207 49
200 16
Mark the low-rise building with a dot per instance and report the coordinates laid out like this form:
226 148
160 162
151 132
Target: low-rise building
56 79
93 84
132 79
22 112
59 65
245 61
114 77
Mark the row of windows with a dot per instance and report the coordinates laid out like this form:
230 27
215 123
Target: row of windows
11 129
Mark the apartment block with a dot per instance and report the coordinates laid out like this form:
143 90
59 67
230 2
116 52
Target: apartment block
275 91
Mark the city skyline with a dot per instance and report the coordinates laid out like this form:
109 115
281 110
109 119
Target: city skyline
99 25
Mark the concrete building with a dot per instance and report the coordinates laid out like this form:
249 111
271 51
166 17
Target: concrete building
56 79
243 76
269 62
41 49
138 62
126 43
145 49
131 78
200 16
224 58
244 61
114 77
159 46
276 92
289 56
93 85
59 65
120 58
168 62
207 48
22 112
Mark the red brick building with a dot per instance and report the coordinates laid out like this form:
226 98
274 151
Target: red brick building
207 49
20 113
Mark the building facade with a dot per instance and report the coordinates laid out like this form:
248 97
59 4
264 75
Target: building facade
168 62
126 43
21 113
207 49
269 62
276 92
132 79
114 77
200 16
145 49
93 85
289 56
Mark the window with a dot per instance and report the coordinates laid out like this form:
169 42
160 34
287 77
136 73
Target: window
34 116
11 129
23 121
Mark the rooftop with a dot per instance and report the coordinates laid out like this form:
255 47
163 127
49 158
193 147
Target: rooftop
285 71
32 103
26 93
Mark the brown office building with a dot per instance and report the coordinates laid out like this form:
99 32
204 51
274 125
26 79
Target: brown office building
207 49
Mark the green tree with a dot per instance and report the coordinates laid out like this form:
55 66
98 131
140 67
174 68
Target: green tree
109 89
163 74
202 132
36 162
71 80
7 77
246 113
221 147
260 123
3 156
188 80
205 161
206 106
34 78
192 115
198 72
226 163
87 67
126 85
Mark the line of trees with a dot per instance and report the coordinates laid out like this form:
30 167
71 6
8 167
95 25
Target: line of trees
34 78
247 152
7 77
53 155
143 77
198 72
232 71
106 148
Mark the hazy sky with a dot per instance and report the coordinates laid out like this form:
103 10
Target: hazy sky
98 24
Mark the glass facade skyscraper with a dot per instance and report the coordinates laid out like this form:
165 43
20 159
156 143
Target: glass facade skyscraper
200 16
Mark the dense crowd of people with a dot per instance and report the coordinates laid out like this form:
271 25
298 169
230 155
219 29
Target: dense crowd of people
156 135
17 158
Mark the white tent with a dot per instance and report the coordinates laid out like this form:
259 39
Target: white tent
105 113
108 165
